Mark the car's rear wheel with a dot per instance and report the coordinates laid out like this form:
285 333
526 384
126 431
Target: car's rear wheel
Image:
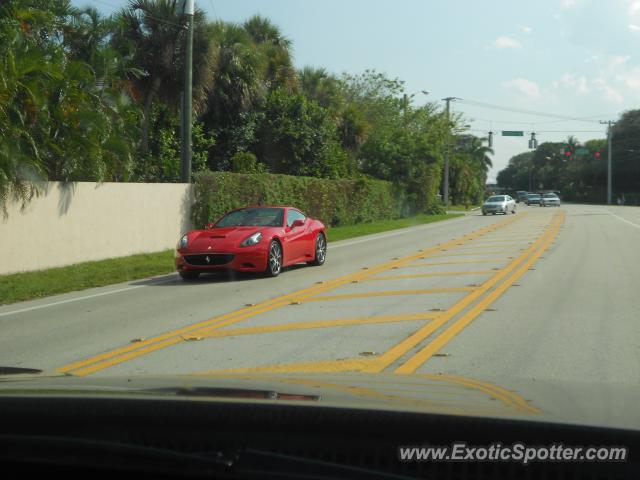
189 275
321 250
274 260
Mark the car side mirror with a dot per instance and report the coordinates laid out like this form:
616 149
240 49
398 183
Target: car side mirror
208 226
297 223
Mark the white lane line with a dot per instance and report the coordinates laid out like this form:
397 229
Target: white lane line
77 299
624 219
340 244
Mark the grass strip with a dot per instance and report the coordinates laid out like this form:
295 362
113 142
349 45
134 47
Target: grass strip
18 287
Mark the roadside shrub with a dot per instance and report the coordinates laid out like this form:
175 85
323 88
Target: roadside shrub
334 202
246 162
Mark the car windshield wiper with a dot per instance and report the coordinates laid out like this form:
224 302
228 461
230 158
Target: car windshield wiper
231 393
17 370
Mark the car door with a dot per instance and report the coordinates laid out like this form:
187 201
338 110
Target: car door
294 240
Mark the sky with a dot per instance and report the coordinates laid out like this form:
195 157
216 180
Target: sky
563 58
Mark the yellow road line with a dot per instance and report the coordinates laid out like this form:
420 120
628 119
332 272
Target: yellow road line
129 352
453 262
466 254
496 248
340 322
418 359
511 399
394 353
390 293
495 243
433 274
326 366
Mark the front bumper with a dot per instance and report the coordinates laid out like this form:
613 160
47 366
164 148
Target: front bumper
494 209
249 259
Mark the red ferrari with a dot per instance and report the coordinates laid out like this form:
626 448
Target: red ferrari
253 239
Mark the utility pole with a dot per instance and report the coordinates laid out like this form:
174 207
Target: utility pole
185 151
445 188
609 124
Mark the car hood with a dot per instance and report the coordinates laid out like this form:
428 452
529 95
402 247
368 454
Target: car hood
570 403
201 240
495 203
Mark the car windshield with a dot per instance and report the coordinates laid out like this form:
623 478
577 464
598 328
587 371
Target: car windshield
550 195
258 217
497 198
533 195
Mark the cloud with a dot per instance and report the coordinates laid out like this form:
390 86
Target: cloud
526 29
618 60
613 95
567 4
633 27
570 81
591 58
523 86
610 93
506 42
634 7
631 79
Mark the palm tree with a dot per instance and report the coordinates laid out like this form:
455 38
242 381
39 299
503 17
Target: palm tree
237 83
274 49
319 85
480 153
152 34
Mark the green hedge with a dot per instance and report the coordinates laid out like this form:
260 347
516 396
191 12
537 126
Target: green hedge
334 202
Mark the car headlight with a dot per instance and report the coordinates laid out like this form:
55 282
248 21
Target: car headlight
252 240
184 241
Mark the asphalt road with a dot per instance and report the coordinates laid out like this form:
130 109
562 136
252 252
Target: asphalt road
548 294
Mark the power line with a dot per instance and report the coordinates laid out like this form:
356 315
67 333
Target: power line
586 119
543 131
508 122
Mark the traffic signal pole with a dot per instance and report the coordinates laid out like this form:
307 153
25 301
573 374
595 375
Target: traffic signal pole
609 124
445 188
185 150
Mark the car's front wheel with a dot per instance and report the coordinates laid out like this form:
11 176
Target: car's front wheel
189 275
321 250
274 260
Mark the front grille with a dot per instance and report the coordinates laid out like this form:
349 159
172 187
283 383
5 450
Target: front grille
207 259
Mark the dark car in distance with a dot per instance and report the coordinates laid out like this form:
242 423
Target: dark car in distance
533 199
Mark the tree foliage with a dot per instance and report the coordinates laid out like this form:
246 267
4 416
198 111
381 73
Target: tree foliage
89 97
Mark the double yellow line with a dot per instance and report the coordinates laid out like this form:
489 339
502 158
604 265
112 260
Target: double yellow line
204 328
519 266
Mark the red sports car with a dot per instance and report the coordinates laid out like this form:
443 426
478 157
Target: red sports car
253 239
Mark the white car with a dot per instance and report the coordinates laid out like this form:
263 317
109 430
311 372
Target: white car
550 200
499 204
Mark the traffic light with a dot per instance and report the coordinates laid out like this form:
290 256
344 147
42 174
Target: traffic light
533 143
490 139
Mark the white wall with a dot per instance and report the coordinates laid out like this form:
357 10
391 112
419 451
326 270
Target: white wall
78 222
